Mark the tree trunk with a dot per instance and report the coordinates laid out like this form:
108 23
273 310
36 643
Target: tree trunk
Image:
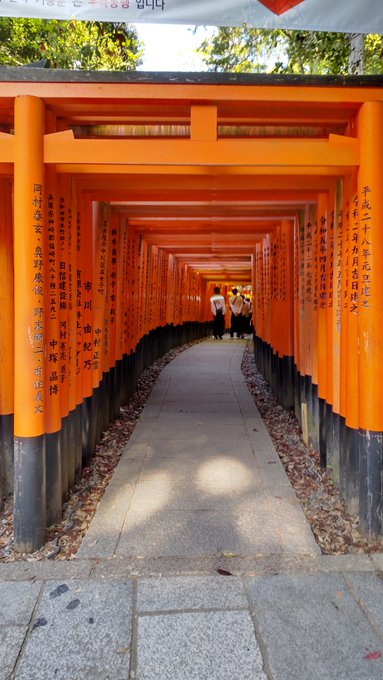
356 61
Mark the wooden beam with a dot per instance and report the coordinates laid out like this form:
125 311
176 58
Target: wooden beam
337 151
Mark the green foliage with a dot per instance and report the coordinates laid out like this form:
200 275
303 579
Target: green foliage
82 45
252 50
373 46
241 49
317 52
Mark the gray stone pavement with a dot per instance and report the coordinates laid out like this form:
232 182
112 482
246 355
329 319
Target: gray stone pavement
199 563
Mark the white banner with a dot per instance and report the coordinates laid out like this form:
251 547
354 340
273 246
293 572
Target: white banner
350 16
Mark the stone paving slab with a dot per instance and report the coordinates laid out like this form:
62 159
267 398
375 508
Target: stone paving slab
231 471
177 495
17 601
199 431
313 628
103 534
181 533
368 589
198 646
11 641
80 630
177 593
191 450
120 567
317 625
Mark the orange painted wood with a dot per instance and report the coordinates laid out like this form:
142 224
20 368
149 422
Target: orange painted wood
52 318
29 255
351 308
322 294
6 299
370 254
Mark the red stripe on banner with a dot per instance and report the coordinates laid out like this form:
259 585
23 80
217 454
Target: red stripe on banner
280 6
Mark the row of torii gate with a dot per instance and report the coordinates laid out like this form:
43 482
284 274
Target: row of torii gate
125 198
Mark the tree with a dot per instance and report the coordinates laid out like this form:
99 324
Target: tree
83 45
252 50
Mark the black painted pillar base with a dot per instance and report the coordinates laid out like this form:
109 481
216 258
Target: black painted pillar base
313 415
53 478
118 390
86 435
64 438
105 402
370 496
6 456
287 382
71 448
30 493
333 444
297 396
302 400
78 441
307 399
349 474
96 419
322 431
112 393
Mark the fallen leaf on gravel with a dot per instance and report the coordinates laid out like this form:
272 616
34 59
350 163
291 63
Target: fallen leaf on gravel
223 572
372 656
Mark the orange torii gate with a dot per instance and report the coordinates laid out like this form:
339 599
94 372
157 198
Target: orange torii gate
125 197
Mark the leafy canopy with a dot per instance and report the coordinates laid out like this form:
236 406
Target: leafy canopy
251 50
84 45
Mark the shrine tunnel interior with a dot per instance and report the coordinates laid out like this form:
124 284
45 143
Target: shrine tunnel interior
126 198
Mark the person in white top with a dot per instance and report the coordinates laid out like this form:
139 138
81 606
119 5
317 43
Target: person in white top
218 309
236 306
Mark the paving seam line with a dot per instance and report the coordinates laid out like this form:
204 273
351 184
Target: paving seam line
257 630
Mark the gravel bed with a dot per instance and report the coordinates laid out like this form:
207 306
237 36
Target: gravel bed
335 530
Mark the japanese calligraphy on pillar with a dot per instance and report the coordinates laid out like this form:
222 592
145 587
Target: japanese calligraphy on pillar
296 261
322 262
123 276
79 296
283 267
113 290
164 282
38 291
354 256
53 377
63 293
100 329
87 321
274 252
71 273
365 219
308 262
301 268
330 262
339 269
315 281
345 258
266 271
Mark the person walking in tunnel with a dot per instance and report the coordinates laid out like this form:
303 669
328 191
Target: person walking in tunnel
246 314
218 309
236 306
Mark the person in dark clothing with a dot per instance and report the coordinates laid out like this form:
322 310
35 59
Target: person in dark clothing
218 309
236 305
